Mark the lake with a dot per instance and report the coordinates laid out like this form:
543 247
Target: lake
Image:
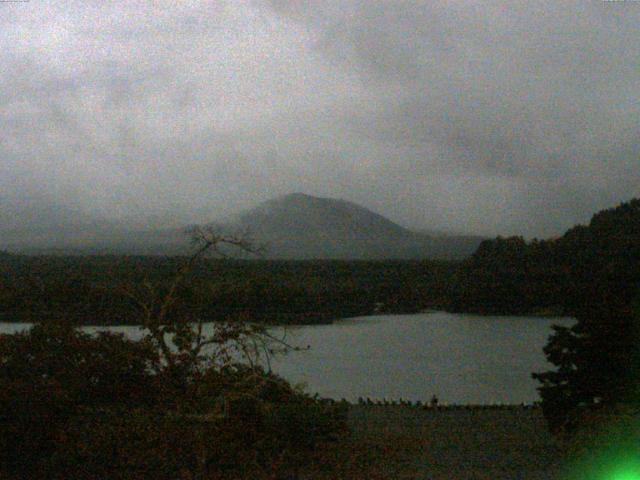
463 359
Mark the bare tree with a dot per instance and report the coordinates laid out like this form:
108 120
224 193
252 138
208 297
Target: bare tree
181 340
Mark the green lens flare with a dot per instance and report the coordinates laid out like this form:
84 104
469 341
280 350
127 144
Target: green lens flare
610 452
629 471
603 470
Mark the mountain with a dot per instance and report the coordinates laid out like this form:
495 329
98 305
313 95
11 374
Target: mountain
295 226
299 226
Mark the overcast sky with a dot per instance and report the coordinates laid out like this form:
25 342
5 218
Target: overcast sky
479 117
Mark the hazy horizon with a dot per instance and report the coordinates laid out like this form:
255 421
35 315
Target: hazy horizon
505 118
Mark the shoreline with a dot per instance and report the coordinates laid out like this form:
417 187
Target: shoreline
295 318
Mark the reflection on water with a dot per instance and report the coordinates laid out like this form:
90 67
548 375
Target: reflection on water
460 358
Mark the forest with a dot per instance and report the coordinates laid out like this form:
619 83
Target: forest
512 276
94 290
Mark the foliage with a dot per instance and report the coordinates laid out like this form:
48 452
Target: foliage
510 276
81 406
51 372
254 434
598 359
89 290
175 404
597 364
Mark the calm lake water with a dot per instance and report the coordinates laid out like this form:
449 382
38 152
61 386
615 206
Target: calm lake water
460 358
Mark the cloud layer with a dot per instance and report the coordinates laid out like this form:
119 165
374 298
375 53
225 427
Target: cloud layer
492 118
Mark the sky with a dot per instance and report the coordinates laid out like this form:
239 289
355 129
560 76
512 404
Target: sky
518 117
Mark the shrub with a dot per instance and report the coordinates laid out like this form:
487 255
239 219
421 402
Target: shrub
50 372
102 407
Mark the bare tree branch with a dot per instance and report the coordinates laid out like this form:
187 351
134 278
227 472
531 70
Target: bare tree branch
180 340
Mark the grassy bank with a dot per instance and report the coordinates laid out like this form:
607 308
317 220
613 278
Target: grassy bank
479 443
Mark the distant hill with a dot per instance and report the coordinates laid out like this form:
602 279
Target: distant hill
40 223
39 226
295 226
299 226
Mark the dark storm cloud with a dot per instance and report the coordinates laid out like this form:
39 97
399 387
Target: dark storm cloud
518 117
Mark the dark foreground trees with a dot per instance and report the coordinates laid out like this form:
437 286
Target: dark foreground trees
75 405
598 359
185 401
597 366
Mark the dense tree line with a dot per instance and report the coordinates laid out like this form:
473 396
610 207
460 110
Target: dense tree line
91 290
512 276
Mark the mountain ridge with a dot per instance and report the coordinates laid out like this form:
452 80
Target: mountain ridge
302 226
292 226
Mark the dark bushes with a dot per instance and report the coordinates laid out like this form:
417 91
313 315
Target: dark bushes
102 407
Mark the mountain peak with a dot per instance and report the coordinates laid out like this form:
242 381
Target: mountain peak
295 195
298 225
304 197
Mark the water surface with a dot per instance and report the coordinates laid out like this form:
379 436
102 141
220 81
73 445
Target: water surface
459 358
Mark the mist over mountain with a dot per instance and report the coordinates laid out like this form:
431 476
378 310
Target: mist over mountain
37 222
299 226
36 225
295 226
